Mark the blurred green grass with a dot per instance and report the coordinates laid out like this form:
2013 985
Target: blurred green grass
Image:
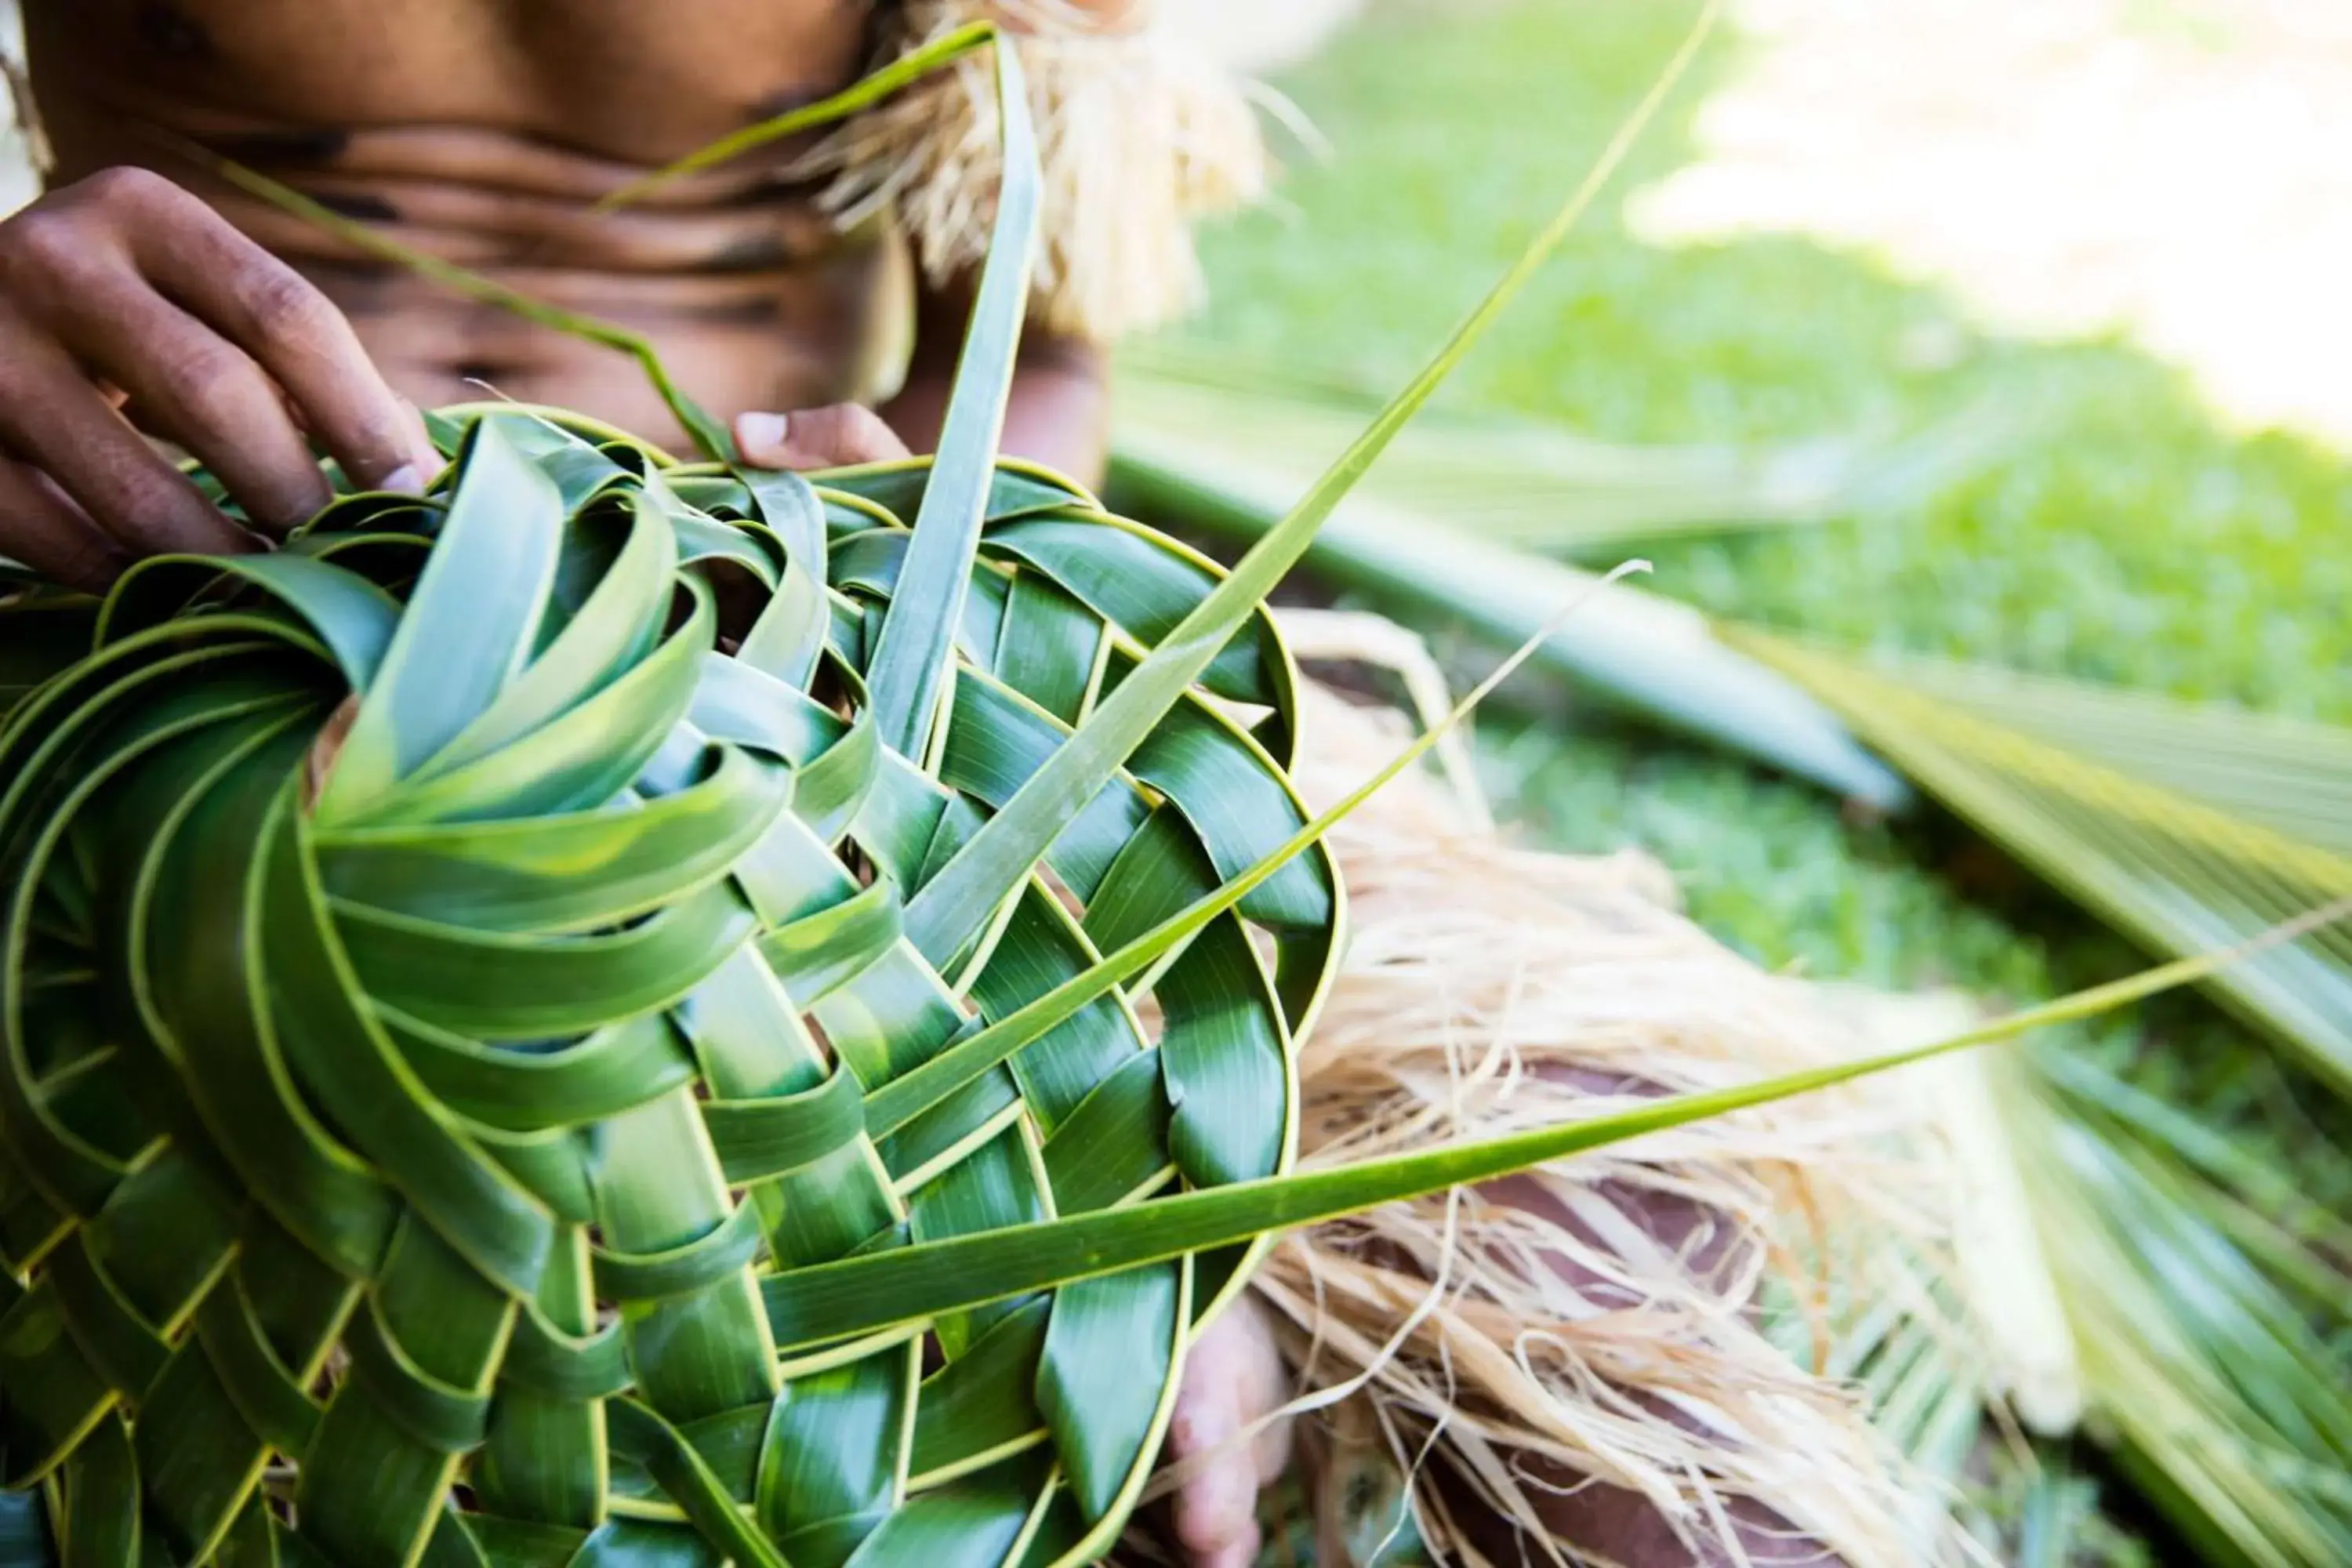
2124 536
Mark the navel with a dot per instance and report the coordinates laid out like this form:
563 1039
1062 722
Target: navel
361 206
168 31
282 149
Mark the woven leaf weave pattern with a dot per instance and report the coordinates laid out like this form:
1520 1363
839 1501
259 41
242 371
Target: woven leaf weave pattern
405 1140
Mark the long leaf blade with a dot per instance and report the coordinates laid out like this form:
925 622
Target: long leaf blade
916 646
907 1284
958 901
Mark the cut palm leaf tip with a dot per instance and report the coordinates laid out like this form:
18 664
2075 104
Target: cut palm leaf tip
517 1152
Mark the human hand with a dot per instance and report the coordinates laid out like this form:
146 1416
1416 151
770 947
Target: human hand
123 297
839 436
1233 1379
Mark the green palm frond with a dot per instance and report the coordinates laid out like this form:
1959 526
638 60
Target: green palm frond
1525 482
1650 654
2204 1328
2179 823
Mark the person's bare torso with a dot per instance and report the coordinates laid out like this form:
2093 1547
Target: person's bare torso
482 130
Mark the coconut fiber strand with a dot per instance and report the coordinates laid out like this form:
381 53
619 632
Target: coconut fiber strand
1591 1325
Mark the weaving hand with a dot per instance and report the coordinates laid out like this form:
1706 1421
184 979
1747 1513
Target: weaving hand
121 293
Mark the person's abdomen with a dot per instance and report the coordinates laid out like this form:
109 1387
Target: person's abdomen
483 134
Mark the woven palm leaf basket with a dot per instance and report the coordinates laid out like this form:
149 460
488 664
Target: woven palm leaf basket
498 989
427 1137
630 1012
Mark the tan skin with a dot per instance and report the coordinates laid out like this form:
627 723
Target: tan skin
142 295
481 130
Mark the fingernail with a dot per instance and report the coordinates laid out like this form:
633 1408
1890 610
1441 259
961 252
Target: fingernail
407 479
760 432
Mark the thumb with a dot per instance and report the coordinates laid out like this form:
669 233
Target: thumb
1233 1379
839 436
1215 1509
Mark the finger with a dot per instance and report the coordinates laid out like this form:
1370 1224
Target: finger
1266 1386
290 329
1240 1553
1215 1509
49 411
49 533
1242 1347
191 384
837 436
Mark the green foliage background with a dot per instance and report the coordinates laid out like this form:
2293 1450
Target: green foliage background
2122 535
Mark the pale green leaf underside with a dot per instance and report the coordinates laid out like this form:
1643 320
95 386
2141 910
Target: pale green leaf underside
2188 828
